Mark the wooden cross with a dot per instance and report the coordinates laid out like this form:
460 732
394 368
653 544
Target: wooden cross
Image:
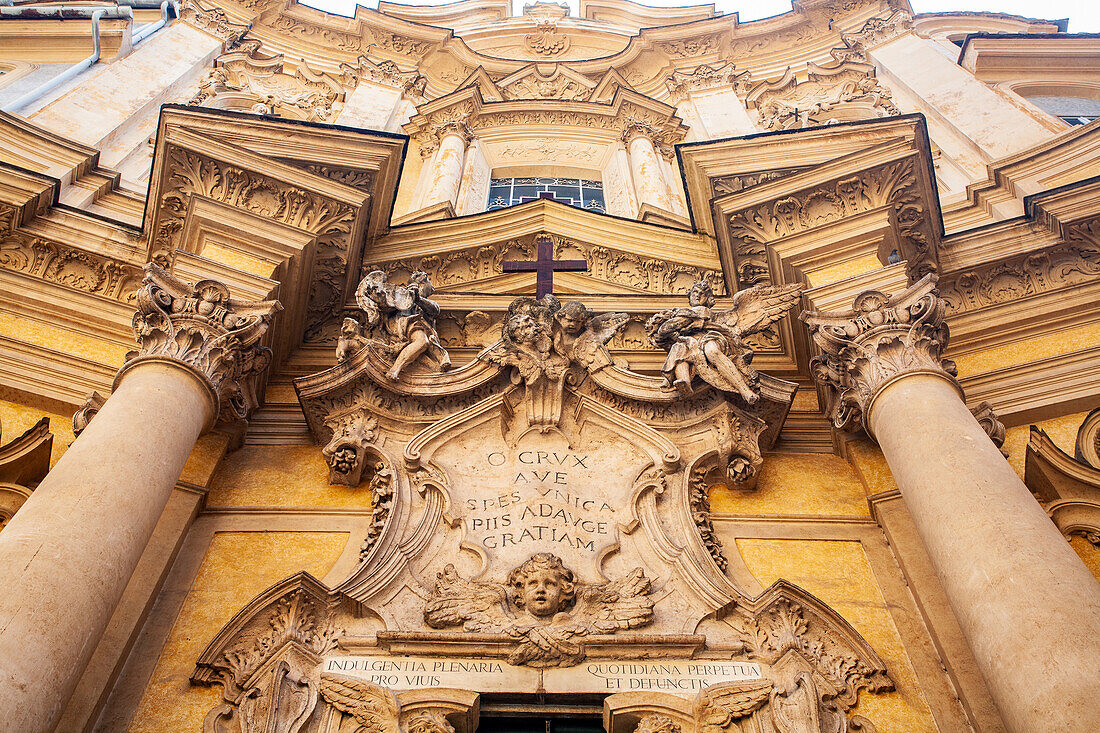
544 267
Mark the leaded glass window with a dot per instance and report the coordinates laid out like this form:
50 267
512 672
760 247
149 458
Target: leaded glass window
579 192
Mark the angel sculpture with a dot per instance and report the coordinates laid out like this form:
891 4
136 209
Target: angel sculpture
543 607
710 343
582 337
405 316
544 337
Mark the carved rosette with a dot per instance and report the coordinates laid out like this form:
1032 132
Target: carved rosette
201 328
880 340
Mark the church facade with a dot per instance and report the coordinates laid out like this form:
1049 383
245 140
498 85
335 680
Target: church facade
447 369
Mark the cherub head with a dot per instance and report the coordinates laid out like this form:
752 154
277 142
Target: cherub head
423 284
349 328
542 585
701 294
573 317
521 329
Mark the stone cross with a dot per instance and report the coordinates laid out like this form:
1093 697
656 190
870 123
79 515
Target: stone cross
544 267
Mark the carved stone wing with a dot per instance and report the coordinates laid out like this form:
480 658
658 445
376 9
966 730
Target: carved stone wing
590 348
756 309
374 708
475 606
719 705
504 354
620 604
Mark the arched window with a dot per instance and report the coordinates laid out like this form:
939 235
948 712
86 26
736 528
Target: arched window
1072 110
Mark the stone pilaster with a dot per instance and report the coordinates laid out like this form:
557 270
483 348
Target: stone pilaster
446 169
1027 605
645 168
68 554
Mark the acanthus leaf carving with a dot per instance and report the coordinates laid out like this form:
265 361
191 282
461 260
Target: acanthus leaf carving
93 403
881 338
214 21
200 326
850 91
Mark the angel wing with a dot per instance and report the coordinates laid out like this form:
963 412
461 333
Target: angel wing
374 708
620 604
457 601
589 350
755 309
719 705
504 354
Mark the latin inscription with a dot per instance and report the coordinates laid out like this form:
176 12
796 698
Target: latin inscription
551 501
683 677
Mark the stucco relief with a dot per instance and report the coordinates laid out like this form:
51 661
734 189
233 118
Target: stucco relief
845 92
538 506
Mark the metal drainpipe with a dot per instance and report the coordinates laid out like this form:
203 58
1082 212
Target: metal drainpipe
68 73
147 30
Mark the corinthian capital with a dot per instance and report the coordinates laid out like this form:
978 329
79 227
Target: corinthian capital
201 327
880 340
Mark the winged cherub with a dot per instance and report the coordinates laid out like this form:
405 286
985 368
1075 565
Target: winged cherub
405 315
543 607
703 341
582 337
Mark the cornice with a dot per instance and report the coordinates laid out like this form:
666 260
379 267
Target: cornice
1040 389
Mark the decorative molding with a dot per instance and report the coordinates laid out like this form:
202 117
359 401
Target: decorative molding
213 21
659 276
91 407
201 327
243 79
722 75
188 173
882 338
546 40
848 91
1065 265
385 72
879 30
893 185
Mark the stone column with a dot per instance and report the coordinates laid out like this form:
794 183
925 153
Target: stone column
645 169
68 554
446 173
1028 606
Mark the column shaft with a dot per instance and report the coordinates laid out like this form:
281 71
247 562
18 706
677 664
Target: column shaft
67 555
447 169
645 169
1028 606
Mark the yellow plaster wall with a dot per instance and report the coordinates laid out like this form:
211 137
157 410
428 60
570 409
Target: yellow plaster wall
16 419
1088 552
808 483
63 340
280 475
870 466
237 567
1027 350
1062 430
839 573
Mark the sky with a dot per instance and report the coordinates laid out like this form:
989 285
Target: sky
1084 15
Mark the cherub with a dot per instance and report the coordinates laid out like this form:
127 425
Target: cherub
405 315
582 337
351 340
543 607
527 340
710 343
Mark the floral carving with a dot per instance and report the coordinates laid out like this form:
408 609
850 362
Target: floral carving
699 498
72 268
201 326
542 607
704 77
93 403
892 185
654 723
345 453
851 89
879 30
192 174
694 46
214 21
383 71
994 428
881 338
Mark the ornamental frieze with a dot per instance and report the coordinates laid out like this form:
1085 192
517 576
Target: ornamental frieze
645 274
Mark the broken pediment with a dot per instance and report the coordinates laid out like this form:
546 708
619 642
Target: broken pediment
537 507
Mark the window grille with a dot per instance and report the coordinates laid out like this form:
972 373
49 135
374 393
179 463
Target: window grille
579 192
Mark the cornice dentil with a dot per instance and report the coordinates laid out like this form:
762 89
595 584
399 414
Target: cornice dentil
880 340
